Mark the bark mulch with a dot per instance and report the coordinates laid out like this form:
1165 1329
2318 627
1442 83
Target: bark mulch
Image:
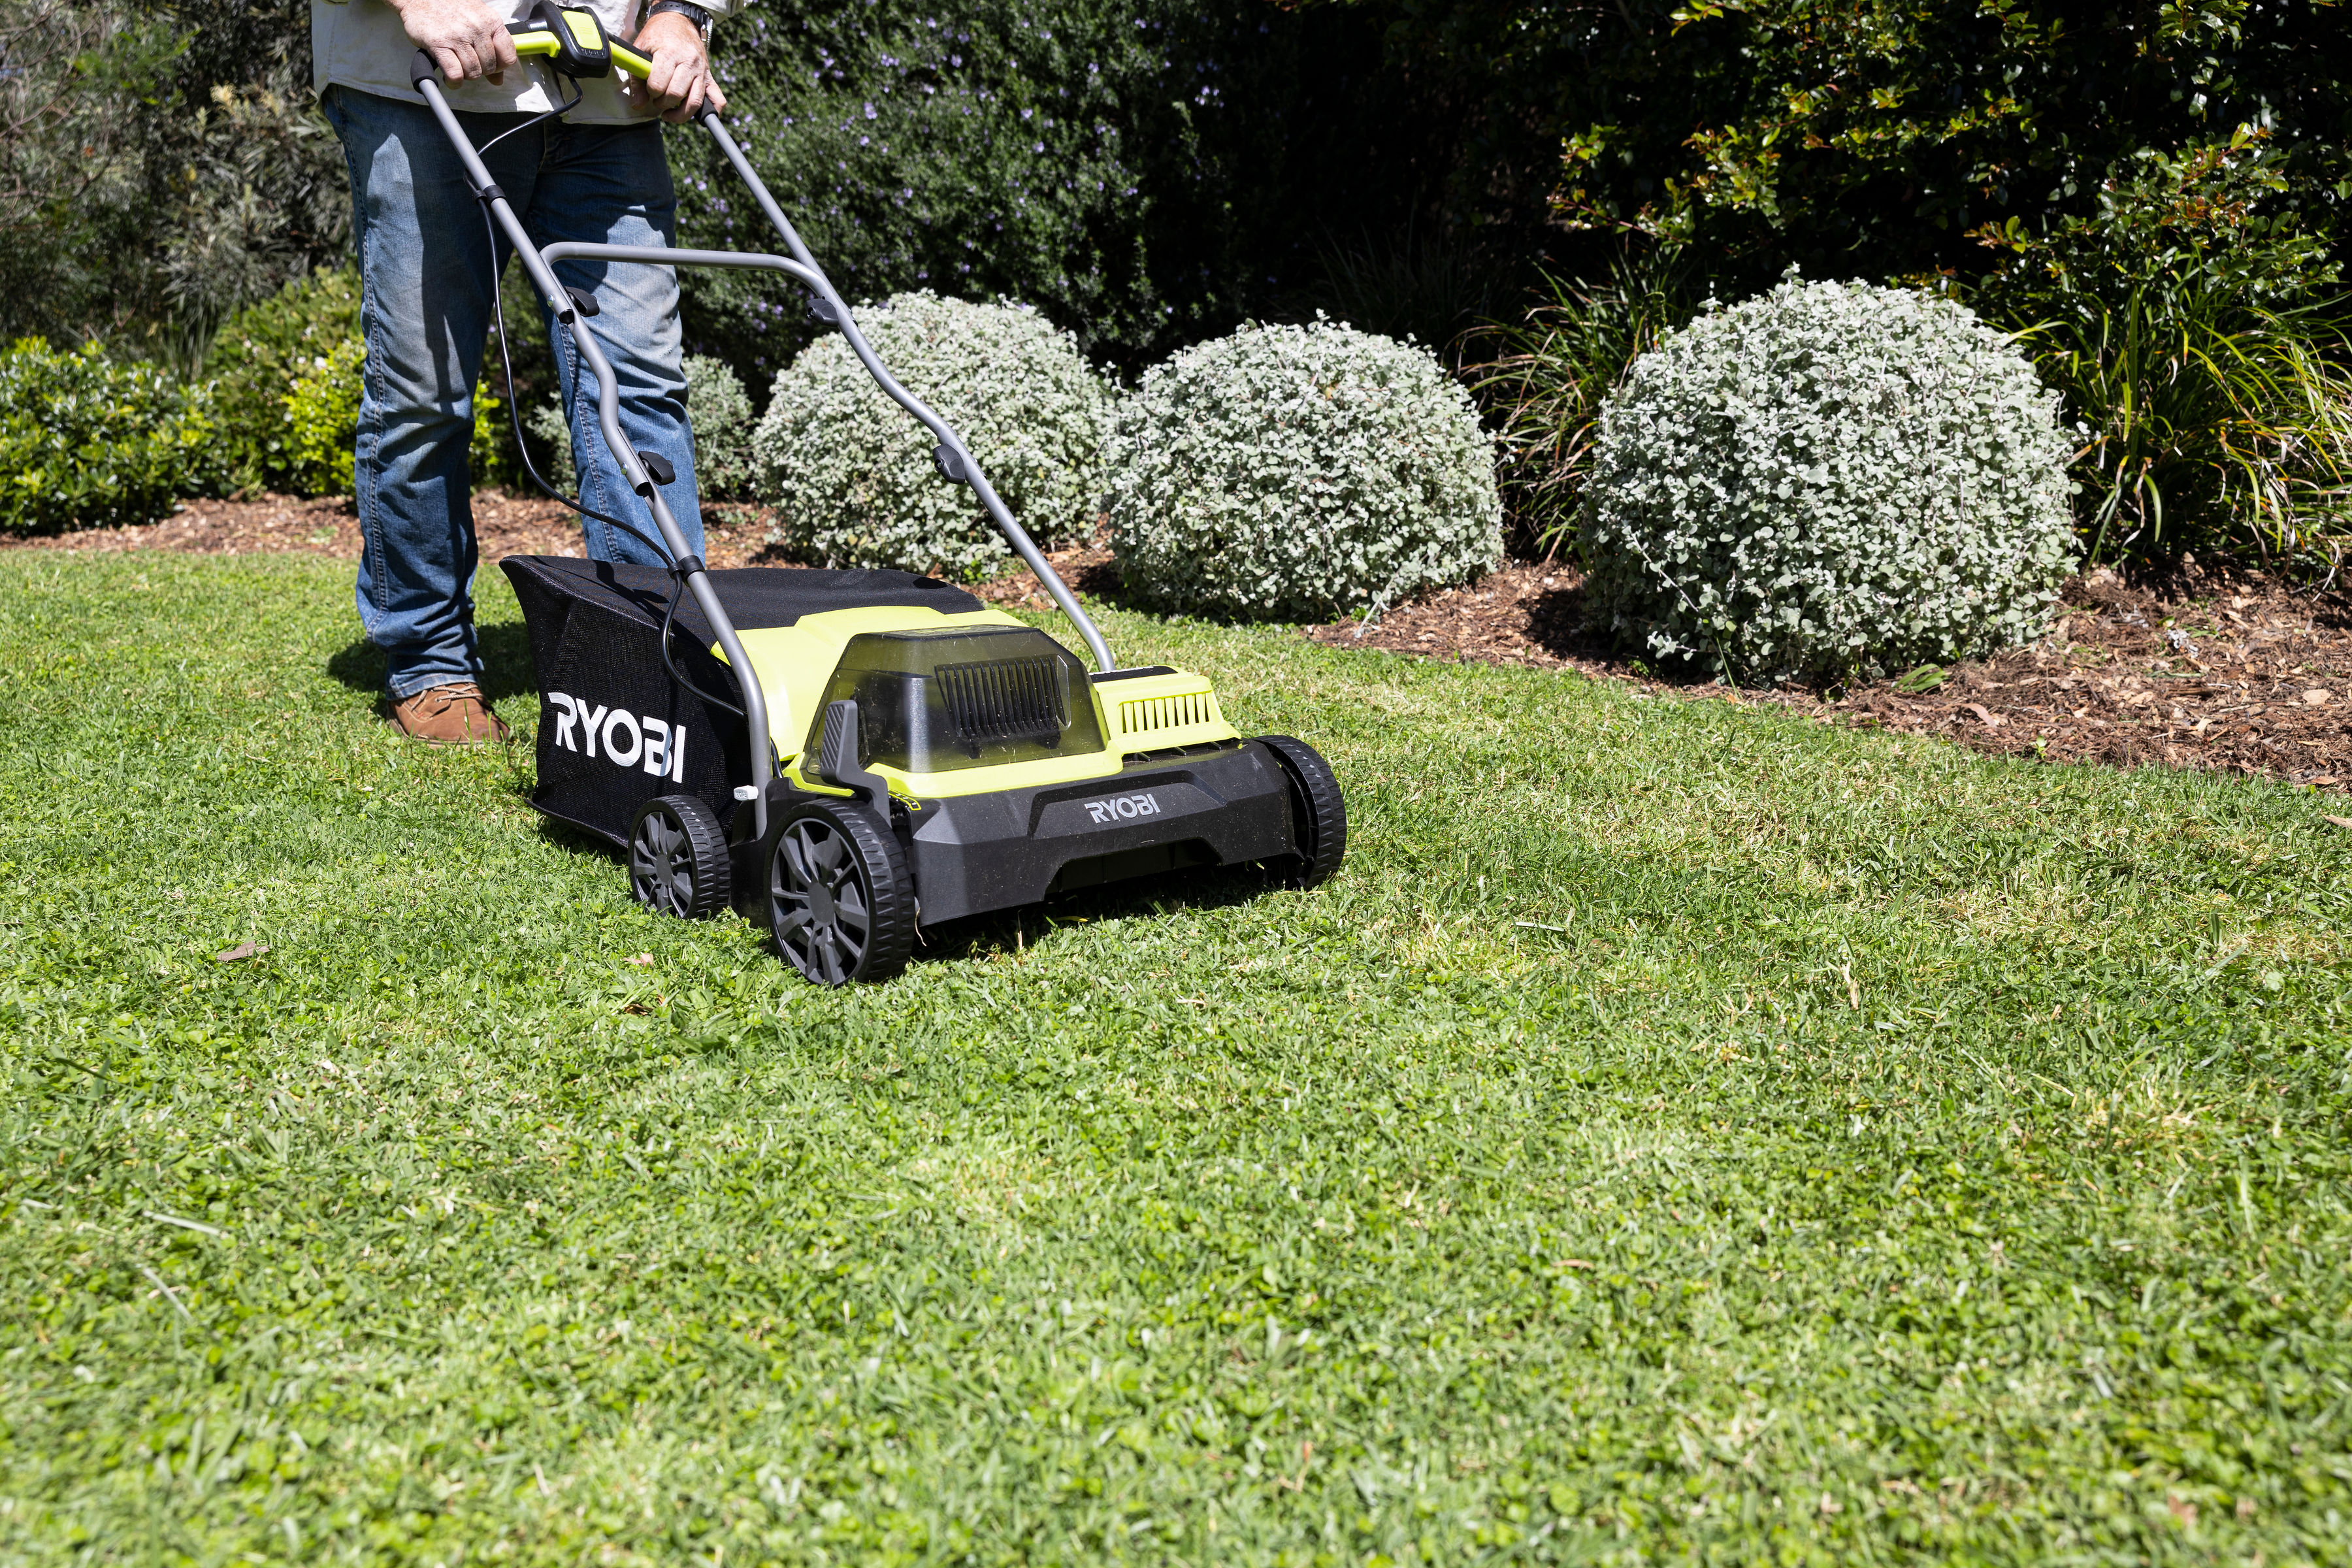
504 525
2214 668
2211 668
1089 569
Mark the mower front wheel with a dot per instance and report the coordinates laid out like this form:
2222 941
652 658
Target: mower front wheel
840 902
678 857
1318 813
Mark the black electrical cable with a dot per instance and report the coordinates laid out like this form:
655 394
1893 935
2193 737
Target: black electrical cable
558 113
669 617
514 409
514 420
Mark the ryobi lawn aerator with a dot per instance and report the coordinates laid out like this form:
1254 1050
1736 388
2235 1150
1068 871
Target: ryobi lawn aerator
847 755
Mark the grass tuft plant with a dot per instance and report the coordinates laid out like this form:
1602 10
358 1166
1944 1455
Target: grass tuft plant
2196 331
1551 370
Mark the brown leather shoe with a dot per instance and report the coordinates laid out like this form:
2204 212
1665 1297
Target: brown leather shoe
457 714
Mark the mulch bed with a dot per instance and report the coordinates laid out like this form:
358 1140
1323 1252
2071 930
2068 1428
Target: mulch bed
504 525
2210 668
2213 668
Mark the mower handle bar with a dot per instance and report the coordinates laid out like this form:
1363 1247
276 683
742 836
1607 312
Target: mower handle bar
810 276
802 267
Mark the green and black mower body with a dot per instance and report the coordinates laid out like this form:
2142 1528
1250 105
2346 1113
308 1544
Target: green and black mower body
844 755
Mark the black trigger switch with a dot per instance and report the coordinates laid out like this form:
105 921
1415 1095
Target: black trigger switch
658 468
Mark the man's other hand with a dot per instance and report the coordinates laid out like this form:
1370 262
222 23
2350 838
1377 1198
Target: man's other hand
679 84
465 40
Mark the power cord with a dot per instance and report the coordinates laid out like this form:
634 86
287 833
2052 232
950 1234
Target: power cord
570 414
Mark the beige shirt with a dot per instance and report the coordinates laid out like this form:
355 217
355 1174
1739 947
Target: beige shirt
360 44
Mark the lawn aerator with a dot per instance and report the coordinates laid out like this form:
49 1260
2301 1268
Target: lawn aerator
851 755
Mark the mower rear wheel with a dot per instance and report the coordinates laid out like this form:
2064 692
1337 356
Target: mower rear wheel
1318 813
840 902
678 857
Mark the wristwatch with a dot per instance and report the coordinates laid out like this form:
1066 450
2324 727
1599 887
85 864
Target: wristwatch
685 8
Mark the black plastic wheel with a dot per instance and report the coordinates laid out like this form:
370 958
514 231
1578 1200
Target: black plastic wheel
1318 813
678 857
841 903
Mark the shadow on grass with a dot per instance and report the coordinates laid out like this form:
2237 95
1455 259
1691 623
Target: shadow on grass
1148 897
572 840
506 669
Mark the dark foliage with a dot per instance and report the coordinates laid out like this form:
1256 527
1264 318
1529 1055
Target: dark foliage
1146 173
1871 139
163 165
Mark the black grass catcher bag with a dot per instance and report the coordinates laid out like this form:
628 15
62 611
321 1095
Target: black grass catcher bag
615 730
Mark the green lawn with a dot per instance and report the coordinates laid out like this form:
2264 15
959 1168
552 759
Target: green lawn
1683 1132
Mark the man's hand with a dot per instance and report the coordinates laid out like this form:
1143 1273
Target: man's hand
462 36
679 84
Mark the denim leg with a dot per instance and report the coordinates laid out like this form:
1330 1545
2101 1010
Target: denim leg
610 184
424 270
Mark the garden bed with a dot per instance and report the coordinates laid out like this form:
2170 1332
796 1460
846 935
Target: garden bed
505 525
2214 668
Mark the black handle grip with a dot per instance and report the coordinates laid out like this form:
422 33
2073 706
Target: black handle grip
421 70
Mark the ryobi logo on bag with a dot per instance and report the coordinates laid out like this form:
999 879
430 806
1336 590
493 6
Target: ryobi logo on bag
626 740
1123 806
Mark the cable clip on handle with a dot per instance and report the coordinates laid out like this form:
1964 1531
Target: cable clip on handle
659 469
575 39
571 38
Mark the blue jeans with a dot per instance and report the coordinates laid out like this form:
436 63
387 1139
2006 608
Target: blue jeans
425 272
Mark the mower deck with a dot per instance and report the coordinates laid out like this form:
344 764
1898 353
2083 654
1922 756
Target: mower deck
848 755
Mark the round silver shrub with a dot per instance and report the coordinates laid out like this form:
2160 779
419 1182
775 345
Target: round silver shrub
717 411
1827 481
1298 472
851 474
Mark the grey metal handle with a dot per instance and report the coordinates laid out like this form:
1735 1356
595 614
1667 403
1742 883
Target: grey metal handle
608 417
809 272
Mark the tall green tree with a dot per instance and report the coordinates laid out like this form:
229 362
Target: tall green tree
162 165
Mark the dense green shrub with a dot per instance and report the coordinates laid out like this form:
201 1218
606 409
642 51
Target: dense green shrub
1826 480
322 417
1300 471
1142 171
1872 139
2195 325
85 441
851 473
257 359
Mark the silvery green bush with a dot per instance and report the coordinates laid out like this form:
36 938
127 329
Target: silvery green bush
850 472
1828 479
717 410
1299 471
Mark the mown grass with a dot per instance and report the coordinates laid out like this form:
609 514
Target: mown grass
1683 1132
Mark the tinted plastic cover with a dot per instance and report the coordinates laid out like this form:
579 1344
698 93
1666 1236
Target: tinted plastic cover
936 701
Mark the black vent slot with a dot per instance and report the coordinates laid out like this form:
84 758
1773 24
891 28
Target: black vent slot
1004 699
